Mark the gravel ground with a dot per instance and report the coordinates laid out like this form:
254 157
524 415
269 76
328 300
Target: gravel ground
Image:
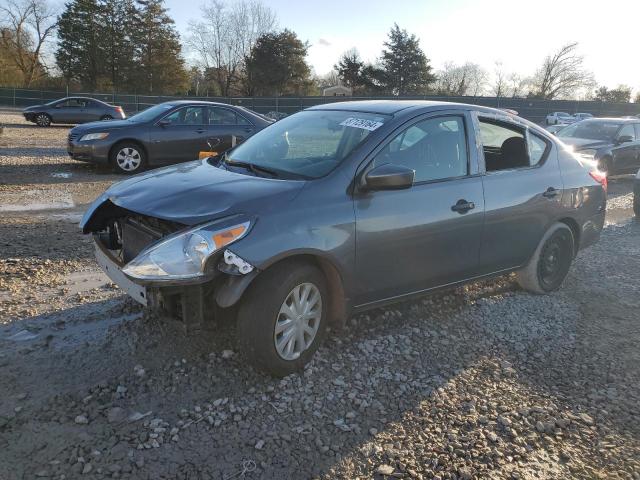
483 381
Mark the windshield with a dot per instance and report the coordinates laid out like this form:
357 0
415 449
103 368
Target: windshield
592 130
150 113
308 144
563 114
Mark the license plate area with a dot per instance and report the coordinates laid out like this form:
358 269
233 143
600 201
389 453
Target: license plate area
114 272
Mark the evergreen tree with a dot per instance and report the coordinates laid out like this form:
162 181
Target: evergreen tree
158 50
118 44
406 67
277 66
349 69
80 54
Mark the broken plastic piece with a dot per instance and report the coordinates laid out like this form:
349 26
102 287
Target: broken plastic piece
231 258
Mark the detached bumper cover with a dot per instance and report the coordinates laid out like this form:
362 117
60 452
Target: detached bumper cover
114 272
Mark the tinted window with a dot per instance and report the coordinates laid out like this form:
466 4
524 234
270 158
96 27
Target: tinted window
223 116
72 103
627 130
504 146
187 116
591 129
435 148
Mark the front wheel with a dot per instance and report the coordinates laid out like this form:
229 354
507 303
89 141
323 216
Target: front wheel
282 318
128 158
550 263
43 120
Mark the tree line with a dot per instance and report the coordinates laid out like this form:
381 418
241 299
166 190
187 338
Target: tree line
235 47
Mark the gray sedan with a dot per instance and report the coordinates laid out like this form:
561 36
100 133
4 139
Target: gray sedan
343 208
72 110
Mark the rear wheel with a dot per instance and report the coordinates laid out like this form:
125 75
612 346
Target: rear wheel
43 120
551 261
106 117
128 157
282 318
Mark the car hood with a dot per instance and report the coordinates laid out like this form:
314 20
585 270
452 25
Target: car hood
102 125
582 143
34 108
194 192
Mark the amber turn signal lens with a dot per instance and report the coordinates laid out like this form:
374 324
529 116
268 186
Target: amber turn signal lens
225 237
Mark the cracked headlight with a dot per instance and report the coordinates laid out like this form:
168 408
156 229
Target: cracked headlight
94 136
183 256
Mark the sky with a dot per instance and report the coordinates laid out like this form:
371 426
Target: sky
517 33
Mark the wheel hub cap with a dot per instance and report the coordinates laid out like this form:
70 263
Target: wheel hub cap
298 321
128 159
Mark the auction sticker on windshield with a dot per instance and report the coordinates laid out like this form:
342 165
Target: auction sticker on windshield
370 125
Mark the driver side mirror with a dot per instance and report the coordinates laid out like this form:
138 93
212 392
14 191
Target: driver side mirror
388 177
624 139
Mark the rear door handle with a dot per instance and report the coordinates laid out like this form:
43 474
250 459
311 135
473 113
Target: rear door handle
462 206
550 192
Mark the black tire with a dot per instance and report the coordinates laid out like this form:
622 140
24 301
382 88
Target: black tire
128 158
551 261
43 120
260 310
106 117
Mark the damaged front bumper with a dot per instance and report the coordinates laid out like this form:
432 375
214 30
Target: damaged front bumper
194 302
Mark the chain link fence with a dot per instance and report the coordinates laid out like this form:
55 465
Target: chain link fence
531 109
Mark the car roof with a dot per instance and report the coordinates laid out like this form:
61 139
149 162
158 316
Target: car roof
198 102
391 107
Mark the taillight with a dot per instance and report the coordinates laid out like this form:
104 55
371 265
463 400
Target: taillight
600 177
119 109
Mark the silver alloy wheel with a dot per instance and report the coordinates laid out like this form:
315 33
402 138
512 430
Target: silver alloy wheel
43 120
128 159
298 321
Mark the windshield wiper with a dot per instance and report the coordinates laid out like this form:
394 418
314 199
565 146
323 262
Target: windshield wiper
255 169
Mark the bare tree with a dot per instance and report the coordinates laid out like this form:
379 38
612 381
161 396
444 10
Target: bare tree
224 36
26 27
467 79
499 87
562 75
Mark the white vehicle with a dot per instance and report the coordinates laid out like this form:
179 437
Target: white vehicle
556 118
582 116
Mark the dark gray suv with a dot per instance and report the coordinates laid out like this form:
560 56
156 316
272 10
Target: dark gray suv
342 208
72 110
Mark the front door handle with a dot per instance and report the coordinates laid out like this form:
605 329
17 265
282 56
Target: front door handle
462 206
201 130
550 192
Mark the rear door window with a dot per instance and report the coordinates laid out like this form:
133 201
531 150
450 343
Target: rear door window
504 145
